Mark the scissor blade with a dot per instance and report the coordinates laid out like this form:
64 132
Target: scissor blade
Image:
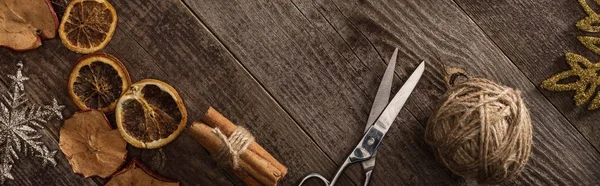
382 97
391 111
368 145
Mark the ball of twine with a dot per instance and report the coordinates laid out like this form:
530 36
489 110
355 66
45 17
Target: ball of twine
482 131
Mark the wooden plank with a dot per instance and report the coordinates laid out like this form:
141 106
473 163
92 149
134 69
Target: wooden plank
320 60
179 50
212 77
439 28
328 94
192 59
44 84
537 44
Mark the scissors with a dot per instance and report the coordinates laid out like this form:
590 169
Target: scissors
382 116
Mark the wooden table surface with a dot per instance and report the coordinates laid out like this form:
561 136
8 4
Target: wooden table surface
302 74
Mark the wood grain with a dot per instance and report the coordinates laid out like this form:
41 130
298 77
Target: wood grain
41 66
322 59
179 50
301 75
537 44
208 76
319 87
443 37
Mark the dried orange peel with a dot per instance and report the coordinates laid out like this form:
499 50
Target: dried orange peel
87 25
97 81
135 173
91 146
150 114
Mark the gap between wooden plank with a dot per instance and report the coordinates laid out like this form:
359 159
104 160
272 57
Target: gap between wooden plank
356 55
383 60
528 78
255 80
525 82
279 28
190 20
272 97
97 180
227 174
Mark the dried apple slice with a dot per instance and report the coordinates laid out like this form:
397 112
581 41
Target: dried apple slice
23 22
135 173
90 144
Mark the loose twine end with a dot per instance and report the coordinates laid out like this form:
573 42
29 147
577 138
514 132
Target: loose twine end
455 76
232 147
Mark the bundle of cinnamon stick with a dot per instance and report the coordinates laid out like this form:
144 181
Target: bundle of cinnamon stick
257 166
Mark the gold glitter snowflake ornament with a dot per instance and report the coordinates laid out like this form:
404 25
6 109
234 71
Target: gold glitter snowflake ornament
591 22
590 43
582 78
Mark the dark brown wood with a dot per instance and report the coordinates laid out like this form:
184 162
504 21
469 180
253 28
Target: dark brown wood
207 75
535 36
318 87
446 39
41 66
537 42
301 75
321 60
179 50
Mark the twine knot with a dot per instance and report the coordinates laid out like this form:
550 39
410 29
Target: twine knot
232 147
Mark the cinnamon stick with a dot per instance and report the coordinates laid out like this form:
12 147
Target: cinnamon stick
203 134
254 170
246 178
215 119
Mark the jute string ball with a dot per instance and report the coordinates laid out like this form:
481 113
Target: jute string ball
481 131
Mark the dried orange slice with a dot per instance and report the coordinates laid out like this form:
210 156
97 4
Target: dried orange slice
97 81
150 114
87 25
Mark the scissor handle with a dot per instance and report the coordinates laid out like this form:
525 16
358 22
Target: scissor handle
314 175
348 161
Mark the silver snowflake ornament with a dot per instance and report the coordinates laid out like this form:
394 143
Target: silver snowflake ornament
19 124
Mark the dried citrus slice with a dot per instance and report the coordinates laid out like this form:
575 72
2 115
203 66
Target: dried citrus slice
97 81
150 114
87 25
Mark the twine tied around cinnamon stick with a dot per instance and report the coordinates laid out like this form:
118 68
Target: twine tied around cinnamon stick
232 147
256 165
